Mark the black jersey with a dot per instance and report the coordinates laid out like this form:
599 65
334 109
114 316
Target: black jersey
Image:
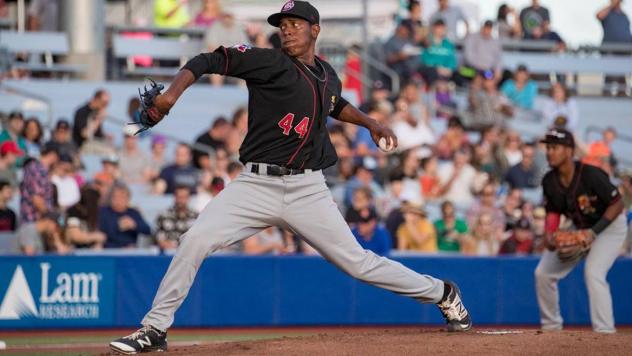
288 104
585 199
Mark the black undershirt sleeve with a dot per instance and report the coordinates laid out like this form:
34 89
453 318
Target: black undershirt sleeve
342 102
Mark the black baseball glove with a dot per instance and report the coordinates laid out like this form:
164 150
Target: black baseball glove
149 113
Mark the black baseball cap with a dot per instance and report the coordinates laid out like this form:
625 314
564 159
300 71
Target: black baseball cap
62 125
300 9
559 136
523 224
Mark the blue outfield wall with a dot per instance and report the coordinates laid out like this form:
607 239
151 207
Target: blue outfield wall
116 291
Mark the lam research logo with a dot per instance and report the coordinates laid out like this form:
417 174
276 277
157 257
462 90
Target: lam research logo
73 296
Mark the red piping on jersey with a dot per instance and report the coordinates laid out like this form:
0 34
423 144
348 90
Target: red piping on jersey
226 66
313 115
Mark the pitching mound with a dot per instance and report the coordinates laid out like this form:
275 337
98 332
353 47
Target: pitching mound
427 342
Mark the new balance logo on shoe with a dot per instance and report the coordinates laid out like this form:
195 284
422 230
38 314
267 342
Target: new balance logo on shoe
145 339
453 310
144 343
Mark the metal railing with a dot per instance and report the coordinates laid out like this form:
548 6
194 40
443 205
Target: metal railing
30 95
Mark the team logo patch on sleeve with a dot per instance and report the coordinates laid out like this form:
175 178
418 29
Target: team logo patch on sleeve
242 47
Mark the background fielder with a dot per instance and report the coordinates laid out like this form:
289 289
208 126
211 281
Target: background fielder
584 194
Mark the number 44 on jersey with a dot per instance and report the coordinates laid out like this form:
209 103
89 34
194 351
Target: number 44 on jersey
286 124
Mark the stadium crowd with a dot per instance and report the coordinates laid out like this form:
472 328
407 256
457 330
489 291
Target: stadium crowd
462 180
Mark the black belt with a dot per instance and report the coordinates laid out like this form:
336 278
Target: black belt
274 170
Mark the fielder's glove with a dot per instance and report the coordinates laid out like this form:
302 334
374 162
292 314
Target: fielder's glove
573 245
150 115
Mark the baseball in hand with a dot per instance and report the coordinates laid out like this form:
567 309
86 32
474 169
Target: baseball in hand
384 146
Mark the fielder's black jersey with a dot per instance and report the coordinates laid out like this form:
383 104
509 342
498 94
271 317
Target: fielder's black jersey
585 199
288 105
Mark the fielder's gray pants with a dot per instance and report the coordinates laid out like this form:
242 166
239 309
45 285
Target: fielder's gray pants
300 202
550 270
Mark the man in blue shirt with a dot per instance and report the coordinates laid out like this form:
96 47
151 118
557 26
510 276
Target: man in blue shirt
120 223
520 90
615 23
372 236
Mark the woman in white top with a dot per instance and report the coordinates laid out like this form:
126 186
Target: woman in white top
561 110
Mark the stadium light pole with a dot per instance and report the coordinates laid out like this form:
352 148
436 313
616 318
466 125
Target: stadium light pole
84 22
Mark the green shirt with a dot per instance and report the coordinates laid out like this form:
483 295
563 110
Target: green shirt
445 242
179 19
442 54
5 136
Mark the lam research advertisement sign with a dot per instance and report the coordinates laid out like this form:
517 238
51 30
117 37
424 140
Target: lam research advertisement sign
43 292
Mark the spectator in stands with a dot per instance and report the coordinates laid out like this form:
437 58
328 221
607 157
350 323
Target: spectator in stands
457 179
483 52
452 140
239 121
8 219
42 235
157 159
411 121
414 23
444 106
487 205
560 105
487 106
512 208
508 28
9 154
36 189
451 230
417 233
4 9
171 13
484 241
533 16
524 175
451 15
89 119
61 140
204 196
121 223
372 236
173 223
32 134
134 163
181 172
379 97
409 166
615 23
520 241
394 196
224 30
439 57
401 53
82 221
363 144
599 153
538 227
544 33
267 241
233 170
521 90
429 179
109 174
214 138
13 132
211 11
67 187
361 202
43 15
512 154
362 177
